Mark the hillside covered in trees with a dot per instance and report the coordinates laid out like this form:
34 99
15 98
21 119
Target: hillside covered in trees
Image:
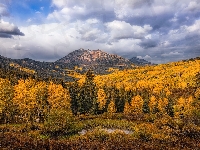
79 60
155 107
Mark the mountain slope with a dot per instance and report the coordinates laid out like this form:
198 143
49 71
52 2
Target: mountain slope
96 60
139 62
93 57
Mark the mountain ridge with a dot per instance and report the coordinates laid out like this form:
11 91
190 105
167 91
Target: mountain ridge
93 57
97 60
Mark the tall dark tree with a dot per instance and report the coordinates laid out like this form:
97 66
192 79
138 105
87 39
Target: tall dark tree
88 95
170 108
119 99
84 98
74 91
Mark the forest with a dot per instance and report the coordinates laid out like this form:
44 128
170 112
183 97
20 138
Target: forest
147 107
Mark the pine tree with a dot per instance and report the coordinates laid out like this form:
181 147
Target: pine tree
88 95
84 98
74 90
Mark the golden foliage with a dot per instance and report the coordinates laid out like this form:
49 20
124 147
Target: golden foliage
101 98
111 107
136 104
58 97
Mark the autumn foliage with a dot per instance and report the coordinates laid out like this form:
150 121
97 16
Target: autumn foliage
165 99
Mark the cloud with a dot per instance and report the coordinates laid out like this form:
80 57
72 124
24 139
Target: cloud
160 31
91 30
171 54
122 30
69 11
8 30
193 6
195 28
3 10
131 8
148 43
5 35
146 57
17 47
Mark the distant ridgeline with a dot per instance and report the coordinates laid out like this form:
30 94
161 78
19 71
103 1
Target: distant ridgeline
77 61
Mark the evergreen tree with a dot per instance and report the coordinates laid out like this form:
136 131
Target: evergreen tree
84 98
119 99
88 95
170 108
74 90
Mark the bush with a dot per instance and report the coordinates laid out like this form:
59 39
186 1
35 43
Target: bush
98 134
191 131
59 123
144 131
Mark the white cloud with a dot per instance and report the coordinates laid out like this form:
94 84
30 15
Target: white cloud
59 3
68 10
91 30
193 6
146 57
195 27
122 30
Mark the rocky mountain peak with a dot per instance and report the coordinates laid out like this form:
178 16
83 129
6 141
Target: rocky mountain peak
92 57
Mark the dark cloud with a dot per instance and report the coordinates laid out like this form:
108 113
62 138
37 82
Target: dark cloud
5 35
7 30
148 43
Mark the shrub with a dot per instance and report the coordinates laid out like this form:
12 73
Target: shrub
59 122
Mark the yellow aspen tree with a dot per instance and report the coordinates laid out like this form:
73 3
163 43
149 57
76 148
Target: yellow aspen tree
179 107
101 98
25 98
58 97
111 107
188 108
137 104
42 103
162 103
127 108
152 103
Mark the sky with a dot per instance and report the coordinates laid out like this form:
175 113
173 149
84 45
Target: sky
159 31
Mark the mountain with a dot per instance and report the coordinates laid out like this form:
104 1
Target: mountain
93 57
139 62
97 60
24 68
